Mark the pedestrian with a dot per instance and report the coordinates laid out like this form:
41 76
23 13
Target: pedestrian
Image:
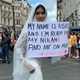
7 31
69 46
5 47
1 57
25 68
75 46
15 40
78 41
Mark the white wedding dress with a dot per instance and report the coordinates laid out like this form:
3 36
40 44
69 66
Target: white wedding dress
21 72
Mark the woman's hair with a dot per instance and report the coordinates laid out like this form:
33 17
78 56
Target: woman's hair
4 34
40 6
16 36
68 35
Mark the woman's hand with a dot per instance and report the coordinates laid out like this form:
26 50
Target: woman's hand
30 67
32 71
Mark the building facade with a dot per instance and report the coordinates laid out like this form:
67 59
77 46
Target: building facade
5 14
71 12
59 7
21 10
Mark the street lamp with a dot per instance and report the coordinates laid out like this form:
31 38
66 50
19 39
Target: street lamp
13 16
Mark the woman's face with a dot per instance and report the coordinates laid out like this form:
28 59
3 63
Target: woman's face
16 37
68 36
79 35
40 15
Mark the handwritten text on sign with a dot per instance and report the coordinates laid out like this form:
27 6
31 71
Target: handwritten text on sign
47 39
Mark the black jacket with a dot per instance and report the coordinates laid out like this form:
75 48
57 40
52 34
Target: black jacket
5 42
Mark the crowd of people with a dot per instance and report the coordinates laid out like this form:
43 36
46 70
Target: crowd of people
73 45
7 42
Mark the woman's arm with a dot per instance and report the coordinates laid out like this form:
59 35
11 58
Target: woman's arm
21 48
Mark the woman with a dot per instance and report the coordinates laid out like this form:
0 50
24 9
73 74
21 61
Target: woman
78 41
69 45
5 47
75 46
23 66
0 48
15 40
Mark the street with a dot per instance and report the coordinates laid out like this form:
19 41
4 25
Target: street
65 69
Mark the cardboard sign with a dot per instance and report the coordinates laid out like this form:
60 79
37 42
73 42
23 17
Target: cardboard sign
47 39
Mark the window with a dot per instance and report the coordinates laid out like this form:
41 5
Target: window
18 21
72 15
20 4
72 23
76 23
63 19
4 15
60 18
76 12
9 22
0 6
60 13
4 21
18 30
67 19
8 8
17 8
65 3
4 7
17 14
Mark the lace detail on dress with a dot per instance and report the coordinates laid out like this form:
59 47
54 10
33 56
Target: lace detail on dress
21 46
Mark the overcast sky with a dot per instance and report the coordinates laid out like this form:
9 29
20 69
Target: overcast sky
50 5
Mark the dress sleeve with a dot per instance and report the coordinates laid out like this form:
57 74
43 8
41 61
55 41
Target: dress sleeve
21 47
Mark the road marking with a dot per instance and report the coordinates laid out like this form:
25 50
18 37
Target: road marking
4 77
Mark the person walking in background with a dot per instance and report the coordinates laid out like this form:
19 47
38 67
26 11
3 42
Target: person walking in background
75 46
5 47
71 35
7 31
69 45
1 56
78 41
15 40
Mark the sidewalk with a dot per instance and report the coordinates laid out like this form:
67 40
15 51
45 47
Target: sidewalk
6 70
66 69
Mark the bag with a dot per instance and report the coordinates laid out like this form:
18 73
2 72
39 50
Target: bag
11 47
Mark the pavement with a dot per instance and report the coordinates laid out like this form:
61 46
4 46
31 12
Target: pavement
65 69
